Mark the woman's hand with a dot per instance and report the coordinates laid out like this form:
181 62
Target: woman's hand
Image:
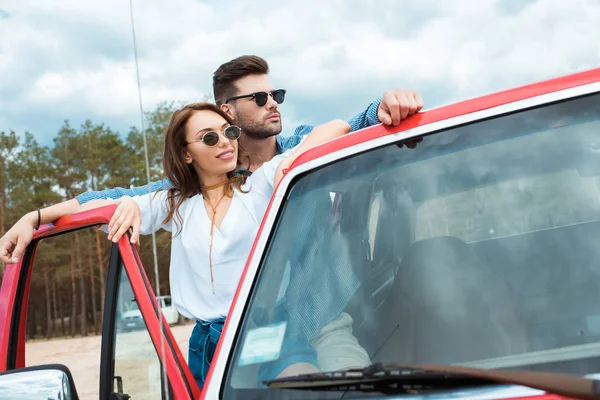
127 215
15 241
280 171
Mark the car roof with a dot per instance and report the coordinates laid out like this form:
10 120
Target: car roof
451 111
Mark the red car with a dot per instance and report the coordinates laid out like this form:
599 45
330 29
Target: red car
463 244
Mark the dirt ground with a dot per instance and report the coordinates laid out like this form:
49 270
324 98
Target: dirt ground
136 360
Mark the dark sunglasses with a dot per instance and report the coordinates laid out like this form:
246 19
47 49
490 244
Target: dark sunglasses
211 138
261 97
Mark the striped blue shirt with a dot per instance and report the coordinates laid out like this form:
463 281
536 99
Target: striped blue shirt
362 120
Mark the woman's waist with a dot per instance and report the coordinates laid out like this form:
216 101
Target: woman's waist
206 330
204 306
203 324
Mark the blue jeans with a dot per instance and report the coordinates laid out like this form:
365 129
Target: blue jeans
202 346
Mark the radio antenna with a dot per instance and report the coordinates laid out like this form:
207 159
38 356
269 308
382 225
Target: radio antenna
154 252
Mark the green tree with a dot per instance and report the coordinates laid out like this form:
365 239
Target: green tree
70 178
34 189
8 147
67 293
105 166
156 122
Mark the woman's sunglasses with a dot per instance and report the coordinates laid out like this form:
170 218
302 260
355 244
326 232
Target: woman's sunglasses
211 138
261 97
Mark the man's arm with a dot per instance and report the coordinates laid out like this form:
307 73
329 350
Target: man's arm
361 120
116 193
365 118
389 109
16 239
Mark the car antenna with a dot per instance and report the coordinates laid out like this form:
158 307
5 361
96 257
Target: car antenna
154 252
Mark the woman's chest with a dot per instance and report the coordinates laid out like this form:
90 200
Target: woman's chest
230 237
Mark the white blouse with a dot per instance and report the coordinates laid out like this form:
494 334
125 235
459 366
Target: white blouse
191 288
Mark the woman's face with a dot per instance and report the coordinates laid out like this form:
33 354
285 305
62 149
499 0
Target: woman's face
209 160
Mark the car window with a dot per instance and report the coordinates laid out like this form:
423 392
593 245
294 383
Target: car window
64 316
136 363
515 206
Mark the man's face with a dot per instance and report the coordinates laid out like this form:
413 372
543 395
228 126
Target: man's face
256 122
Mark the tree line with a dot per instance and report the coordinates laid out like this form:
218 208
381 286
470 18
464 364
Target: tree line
67 288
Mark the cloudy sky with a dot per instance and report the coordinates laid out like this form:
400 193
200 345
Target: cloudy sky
72 60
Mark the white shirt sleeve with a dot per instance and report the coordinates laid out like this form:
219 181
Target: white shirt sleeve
154 210
263 178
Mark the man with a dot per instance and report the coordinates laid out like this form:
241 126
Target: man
243 90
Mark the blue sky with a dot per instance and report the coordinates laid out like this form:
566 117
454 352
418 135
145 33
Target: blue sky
72 60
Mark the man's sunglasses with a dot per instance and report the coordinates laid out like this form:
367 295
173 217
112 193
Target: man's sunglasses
261 97
211 138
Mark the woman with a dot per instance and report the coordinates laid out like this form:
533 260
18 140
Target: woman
213 212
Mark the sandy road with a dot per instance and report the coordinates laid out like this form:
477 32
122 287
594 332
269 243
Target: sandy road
136 360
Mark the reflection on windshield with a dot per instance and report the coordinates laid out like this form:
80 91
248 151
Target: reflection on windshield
479 247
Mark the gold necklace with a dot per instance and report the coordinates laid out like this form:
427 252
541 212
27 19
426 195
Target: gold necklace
212 225
212 228
216 185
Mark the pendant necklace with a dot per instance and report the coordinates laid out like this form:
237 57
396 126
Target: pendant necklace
212 227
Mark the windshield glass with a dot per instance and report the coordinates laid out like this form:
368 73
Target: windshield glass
479 247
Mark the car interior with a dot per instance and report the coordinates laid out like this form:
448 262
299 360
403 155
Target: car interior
527 286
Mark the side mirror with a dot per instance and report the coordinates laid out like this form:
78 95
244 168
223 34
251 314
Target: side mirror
52 382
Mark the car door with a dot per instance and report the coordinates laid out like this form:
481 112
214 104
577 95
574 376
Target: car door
145 363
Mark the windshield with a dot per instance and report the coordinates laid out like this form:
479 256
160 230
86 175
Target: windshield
479 247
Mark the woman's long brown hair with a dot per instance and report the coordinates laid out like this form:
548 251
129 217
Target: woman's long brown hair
183 176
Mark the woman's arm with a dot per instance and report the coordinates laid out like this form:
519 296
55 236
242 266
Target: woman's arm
319 135
130 213
127 215
143 214
265 178
18 237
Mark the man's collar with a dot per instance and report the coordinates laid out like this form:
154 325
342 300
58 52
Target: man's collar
278 150
278 147
242 172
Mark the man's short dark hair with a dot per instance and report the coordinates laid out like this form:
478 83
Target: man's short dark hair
227 74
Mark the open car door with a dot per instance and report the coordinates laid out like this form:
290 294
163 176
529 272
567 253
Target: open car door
141 363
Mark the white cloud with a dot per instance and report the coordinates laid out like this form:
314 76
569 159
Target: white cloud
74 59
472 49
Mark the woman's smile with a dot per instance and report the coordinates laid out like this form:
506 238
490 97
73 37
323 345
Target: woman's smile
226 155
